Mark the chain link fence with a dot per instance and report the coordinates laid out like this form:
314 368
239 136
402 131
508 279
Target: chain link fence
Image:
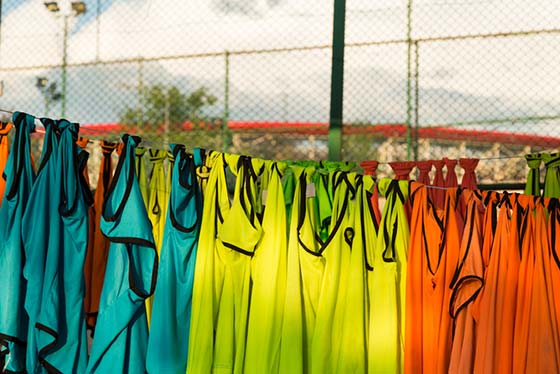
423 79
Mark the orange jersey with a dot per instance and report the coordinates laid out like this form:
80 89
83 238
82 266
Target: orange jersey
466 286
432 258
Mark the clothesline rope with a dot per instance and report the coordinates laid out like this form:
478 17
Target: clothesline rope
151 144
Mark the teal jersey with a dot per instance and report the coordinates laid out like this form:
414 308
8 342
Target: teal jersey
60 327
37 238
121 333
19 177
171 310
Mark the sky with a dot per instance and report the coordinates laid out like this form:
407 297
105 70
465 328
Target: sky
464 80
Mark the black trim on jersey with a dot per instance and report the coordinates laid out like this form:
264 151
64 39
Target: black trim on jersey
51 369
468 301
554 219
555 159
194 194
340 218
12 339
443 234
238 249
364 242
349 236
116 177
131 281
137 156
461 263
369 195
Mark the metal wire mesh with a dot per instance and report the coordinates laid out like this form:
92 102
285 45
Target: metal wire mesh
423 79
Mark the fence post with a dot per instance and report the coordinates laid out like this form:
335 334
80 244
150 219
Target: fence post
416 97
225 134
337 80
409 80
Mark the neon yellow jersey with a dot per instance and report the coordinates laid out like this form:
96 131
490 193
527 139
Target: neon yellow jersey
204 300
268 270
140 168
387 302
335 253
350 330
158 194
222 285
294 337
157 198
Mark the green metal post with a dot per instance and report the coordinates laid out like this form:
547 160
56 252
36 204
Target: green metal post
225 132
64 65
337 81
416 98
409 81
141 95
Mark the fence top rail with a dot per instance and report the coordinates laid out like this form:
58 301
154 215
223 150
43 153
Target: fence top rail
240 52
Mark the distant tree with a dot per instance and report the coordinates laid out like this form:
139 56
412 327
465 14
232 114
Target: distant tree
162 107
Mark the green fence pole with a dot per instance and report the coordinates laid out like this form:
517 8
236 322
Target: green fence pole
416 98
337 80
409 81
225 134
64 66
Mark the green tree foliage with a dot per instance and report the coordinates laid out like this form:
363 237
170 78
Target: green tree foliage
164 110
162 106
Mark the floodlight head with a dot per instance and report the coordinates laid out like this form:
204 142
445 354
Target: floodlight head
79 7
41 82
52 6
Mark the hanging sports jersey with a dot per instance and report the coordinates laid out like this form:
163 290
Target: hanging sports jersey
19 176
268 272
229 235
171 314
469 177
424 168
350 332
524 292
295 337
532 186
451 175
543 340
466 284
60 323
121 333
98 244
387 303
204 300
553 237
432 259
552 175
37 237
4 130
